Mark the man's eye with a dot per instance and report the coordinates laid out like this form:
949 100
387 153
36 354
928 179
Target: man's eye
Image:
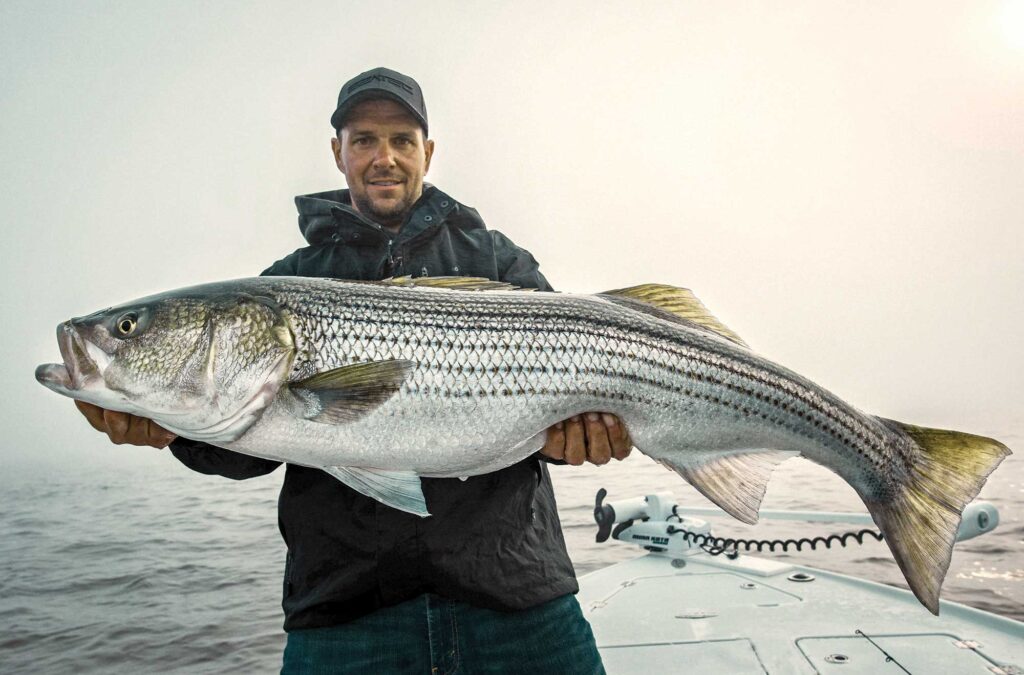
362 141
402 141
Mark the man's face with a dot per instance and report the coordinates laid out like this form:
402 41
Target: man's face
384 157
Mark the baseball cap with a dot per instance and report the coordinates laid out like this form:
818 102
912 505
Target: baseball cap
381 83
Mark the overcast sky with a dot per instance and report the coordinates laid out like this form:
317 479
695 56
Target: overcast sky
841 183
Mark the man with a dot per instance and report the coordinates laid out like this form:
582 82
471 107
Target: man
484 583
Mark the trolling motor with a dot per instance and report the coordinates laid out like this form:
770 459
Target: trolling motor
658 524
649 522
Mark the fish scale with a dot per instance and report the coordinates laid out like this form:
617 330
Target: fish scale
381 383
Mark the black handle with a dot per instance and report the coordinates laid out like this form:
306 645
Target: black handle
604 515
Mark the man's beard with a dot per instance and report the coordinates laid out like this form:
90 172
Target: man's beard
389 216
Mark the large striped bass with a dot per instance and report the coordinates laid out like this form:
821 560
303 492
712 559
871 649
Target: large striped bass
381 383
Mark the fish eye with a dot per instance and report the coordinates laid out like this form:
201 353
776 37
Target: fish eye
127 323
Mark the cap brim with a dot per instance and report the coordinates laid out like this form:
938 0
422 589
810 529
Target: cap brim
338 118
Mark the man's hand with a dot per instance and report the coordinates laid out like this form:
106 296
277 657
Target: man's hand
125 428
594 437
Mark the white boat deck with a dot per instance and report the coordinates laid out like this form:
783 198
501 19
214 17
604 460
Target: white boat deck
687 611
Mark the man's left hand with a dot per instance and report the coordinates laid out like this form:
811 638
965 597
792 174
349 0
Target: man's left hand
593 437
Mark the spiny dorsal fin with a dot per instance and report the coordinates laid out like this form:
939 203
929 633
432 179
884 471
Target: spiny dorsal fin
347 393
680 302
451 283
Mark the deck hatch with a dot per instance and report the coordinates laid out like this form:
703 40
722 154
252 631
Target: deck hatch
709 656
917 653
637 611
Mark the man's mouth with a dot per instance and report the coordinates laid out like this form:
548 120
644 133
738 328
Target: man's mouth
385 183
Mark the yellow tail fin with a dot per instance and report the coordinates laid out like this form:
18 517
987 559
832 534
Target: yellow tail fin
920 522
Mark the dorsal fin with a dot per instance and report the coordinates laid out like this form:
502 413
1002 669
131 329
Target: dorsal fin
451 283
679 302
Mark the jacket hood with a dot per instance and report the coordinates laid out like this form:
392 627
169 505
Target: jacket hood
329 216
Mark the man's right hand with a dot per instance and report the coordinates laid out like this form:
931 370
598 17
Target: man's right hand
125 428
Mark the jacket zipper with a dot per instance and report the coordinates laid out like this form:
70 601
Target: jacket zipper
393 262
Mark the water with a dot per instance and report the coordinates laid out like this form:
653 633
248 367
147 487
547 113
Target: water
149 567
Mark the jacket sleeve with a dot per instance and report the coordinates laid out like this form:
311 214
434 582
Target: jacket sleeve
284 267
516 265
210 459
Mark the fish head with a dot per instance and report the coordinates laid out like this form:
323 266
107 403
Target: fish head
203 363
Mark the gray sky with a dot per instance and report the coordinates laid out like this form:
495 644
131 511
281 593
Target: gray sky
841 183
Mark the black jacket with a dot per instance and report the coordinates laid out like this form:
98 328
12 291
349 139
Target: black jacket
492 541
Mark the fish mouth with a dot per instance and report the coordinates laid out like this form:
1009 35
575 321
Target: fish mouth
55 376
83 364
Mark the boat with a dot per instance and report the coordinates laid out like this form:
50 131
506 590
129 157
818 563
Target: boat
696 603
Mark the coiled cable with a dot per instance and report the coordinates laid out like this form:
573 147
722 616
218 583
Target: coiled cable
730 546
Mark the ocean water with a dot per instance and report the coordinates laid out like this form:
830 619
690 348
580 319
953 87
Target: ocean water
147 567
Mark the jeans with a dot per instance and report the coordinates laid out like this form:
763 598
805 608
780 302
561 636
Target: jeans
430 635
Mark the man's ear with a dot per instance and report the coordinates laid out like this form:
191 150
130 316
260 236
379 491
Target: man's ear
428 148
336 149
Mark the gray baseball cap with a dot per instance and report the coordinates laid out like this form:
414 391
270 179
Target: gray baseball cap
381 83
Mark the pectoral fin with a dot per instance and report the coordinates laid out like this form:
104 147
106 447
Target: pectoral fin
345 394
398 489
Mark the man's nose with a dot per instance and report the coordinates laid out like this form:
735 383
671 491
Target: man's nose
384 156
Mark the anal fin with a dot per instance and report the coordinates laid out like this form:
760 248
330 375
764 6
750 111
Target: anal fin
735 483
398 489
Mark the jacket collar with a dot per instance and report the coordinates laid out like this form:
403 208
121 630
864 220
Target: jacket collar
327 216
